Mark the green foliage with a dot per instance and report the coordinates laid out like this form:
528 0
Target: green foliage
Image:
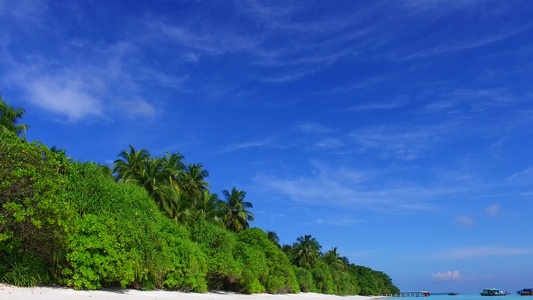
34 211
277 274
73 219
331 274
95 255
323 278
236 213
158 227
223 271
305 252
187 264
23 269
254 268
9 118
373 282
122 238
305 279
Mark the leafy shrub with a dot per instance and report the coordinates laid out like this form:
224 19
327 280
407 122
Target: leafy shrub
218 244
34 210
275 270
121 237
305 279
96 256
323 279
23 269
254 268
187 264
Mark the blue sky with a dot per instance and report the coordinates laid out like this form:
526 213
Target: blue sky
398 131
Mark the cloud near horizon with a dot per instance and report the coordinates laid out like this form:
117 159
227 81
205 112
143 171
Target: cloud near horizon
446 276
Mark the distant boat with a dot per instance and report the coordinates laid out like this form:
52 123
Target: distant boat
493 292
525 292
424 293
453 294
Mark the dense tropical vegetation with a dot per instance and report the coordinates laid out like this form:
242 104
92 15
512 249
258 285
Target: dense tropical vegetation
150 222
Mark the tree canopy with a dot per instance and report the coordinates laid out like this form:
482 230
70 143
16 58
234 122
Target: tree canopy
150 222
10 117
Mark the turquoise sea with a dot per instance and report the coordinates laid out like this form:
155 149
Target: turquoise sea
513 296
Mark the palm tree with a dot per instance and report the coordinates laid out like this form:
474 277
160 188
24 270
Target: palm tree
172 168
9 119
106 170
130 165
273 237
173 164
209 207
345 261
306 252
235 208
333 259
152 178
175 205
191 181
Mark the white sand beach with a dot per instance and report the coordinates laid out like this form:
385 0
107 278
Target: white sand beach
57 293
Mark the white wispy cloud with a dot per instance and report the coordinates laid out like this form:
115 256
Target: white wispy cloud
358 190
429 12
464 221
378 105
96 88
245 145
447 276
289 76
402 142
136 108
27 10
329 143
285 47
312 128
494 210
523 177
483 98
202 39
486 251
469 101
335 221
455 46
65 96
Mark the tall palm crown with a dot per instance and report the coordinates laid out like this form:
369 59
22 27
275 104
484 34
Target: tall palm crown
10 117
173 164
130 165
273 237
191 180
306 251
236 210
152 176
172 168
209 207
333 259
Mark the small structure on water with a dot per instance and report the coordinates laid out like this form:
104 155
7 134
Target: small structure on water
493 292
412 294
525 292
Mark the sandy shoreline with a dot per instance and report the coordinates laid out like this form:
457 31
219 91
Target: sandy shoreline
45 293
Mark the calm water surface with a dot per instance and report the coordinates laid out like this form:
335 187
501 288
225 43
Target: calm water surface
512 296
